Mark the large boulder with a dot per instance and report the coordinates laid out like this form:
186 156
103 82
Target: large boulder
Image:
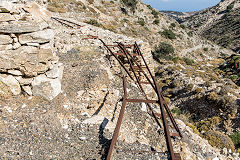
46 87
12 83
37 37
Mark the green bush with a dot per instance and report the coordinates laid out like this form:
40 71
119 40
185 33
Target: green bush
205 49
218 139
176 110
173 25
230 7
190 34
156 21
188 61
168 34
182 26
163 50
130 3
236 138
141 21
93 22
155 13
234 77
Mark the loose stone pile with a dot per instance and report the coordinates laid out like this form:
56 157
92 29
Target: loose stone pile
27 61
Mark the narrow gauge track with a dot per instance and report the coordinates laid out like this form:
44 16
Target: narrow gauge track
134 66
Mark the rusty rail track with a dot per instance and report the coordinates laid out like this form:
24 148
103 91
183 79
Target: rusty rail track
68 23
165 112
132 70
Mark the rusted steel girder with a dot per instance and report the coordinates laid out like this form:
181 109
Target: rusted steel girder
63 21
119 122
166 129
161 102
165 105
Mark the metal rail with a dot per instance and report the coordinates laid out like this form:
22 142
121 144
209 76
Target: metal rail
134 66
163 106
67 22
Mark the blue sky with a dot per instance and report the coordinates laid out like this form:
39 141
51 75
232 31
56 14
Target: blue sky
181 5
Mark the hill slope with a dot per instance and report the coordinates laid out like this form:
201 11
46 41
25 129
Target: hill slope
220 23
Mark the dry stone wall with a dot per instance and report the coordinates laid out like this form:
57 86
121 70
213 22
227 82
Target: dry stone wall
27 61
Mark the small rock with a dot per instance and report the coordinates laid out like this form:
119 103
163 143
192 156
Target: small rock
85 114
5 39
16 45
55 72
33 44
13 35
74 64
15 39
27 89
24 81
15 72
5 17
82 138
144 107
24 105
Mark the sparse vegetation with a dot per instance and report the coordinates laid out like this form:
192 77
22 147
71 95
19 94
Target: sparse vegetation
230 7
168 33
156 21
130 3
141 21
182 26
236 139
164 50
188 61
173 25
155 13
218 139
190 33
205 49
93 22
176 110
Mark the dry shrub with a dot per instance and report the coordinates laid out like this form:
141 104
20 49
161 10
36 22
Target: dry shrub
218 139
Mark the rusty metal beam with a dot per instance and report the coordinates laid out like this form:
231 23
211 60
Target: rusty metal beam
119 122
166 129
119 61
121 46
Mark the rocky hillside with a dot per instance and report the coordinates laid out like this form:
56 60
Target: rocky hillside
60 94
219 23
